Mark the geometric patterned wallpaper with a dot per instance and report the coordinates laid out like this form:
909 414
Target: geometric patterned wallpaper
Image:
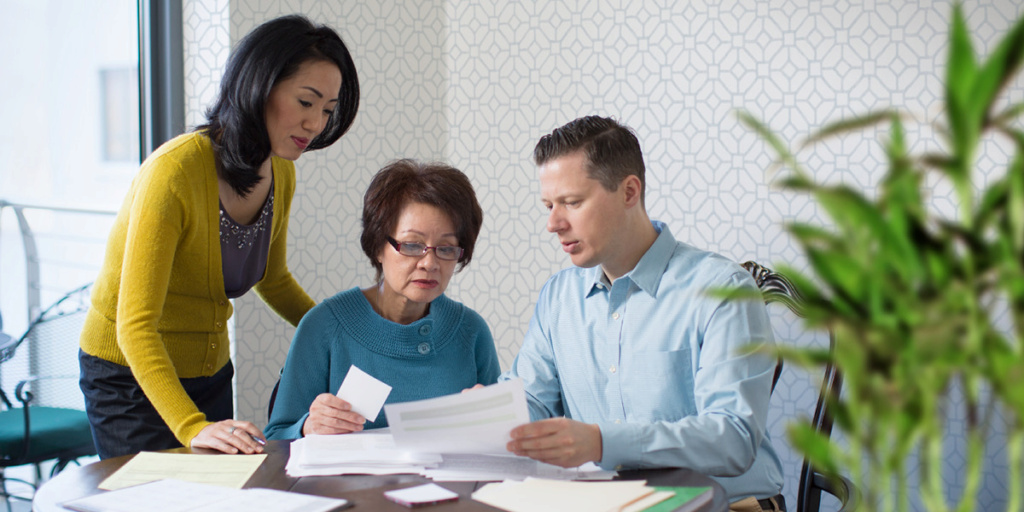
477 83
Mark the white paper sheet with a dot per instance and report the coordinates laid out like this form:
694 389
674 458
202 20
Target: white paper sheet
364 392
363 453
179 496
476 421
426 494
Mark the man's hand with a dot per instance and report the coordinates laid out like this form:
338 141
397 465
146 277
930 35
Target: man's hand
329 414
559 441
229 436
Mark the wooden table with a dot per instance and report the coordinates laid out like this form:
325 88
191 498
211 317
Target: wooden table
365 491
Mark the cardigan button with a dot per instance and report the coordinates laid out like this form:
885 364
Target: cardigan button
218 325
424 330
424 348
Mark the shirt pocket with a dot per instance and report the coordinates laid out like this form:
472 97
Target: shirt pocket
659 386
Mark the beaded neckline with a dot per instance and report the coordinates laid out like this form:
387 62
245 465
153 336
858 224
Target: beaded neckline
232 232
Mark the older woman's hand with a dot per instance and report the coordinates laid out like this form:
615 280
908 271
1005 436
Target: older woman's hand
230 436
329 414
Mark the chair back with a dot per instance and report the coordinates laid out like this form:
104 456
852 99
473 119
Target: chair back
49 349
777 289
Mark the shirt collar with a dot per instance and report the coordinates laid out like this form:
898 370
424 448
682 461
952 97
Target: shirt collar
648 271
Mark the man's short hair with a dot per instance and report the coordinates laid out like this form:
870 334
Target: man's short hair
611 149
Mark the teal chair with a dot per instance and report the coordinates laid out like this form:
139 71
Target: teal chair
45 420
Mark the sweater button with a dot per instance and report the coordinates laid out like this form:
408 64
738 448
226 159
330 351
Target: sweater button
218 325
424 329
424 348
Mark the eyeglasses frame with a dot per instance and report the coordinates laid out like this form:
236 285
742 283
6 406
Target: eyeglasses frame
398 248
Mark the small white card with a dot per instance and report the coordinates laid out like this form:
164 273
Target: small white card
365 393
426 494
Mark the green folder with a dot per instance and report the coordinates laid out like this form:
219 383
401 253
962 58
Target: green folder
690 498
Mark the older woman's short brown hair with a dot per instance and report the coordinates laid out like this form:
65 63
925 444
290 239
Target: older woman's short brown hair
407 181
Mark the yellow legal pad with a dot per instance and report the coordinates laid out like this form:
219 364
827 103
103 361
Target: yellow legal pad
223 470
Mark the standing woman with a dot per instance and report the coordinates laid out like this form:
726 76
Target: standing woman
206 219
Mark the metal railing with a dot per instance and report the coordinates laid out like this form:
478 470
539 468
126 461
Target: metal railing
67 242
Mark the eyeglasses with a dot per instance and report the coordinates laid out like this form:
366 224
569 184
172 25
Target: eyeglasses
443 252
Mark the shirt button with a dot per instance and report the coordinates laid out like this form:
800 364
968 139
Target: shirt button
615 316
424 348
611 368
424 330
618 422
213 345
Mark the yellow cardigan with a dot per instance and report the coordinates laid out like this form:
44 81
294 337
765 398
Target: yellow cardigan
158 305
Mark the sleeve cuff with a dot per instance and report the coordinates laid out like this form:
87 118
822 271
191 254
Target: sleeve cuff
620 448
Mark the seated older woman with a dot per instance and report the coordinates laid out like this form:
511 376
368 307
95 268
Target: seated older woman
420 222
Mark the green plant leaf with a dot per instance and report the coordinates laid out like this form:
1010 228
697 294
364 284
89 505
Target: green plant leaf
785 156
1004 117
1015 202
961 70
1000 67
850 125
818 448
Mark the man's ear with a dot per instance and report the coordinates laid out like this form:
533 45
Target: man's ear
632 190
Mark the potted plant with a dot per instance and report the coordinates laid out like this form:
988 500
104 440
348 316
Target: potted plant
910 293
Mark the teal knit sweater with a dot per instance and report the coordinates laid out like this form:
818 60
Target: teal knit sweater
448 350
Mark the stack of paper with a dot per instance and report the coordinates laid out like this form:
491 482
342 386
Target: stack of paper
470 429
495 468
367 453
538 495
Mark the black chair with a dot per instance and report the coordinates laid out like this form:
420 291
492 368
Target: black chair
776 288
49 422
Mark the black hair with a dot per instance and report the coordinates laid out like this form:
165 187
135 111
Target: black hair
272 52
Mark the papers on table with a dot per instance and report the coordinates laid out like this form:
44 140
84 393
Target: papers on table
365 393
375 453
476 421
451 438
673 499
427 494
368 453
222 470
538 495
178 496
459 467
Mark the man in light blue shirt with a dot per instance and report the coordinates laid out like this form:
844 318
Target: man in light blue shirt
629 361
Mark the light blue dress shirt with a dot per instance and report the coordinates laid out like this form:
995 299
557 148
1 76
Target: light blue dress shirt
659 365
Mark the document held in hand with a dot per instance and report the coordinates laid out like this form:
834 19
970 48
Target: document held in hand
476 421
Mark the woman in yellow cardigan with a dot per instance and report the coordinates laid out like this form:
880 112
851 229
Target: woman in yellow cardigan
206 219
